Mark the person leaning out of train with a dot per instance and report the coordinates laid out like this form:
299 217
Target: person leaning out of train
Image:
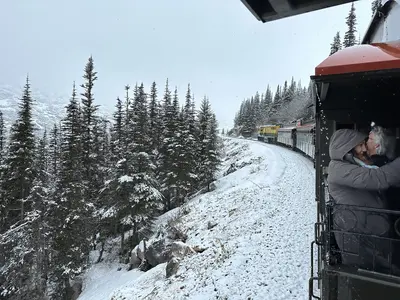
381 148
353 181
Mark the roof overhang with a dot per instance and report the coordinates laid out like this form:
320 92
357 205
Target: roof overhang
270 10
361 58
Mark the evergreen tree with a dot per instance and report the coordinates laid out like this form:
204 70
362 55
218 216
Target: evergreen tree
336 44
19 172
145 197
276 104
213 159
3 206
118 189
207 153
292 90
155 123
71 241
187 177
376 4
23 247
42 231
89 126
266 105
285 99
101 148
55 152
350 35
2 137
167 158
257 109
117 131
204 117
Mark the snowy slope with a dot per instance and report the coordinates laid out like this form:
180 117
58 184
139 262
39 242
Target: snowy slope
259 248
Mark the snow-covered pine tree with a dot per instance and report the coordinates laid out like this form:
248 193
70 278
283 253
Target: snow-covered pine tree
336 44
2 138
17 254
2 168
101 148
117 148
213 157
257 109
292 90
101 228
71 242
155 125
39 217
175 151
204 118
117 133
118 189
91 160
289 95
375 5
145 196
18 246
289 104
350 35
19 173
248 118
297 108
276 104
169 119
266 105
187 176
55 152
285 94
310 111
89 125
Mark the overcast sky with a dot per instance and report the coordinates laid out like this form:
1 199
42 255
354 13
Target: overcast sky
215 45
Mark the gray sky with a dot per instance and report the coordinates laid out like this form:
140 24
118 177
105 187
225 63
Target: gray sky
215 45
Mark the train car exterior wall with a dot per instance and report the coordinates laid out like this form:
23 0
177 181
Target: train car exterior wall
304 143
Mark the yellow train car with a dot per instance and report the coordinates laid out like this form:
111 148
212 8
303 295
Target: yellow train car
268 133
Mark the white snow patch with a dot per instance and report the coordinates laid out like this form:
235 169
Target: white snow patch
103 279
125 178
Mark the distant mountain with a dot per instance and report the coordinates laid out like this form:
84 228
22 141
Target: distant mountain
47 110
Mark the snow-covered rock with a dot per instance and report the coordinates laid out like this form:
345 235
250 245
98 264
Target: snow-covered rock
259 249
172 267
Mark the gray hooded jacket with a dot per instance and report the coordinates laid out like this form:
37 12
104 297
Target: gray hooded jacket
351 184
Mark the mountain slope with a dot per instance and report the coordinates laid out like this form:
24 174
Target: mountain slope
47 109
258 247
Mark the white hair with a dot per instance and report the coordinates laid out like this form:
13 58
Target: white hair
386 142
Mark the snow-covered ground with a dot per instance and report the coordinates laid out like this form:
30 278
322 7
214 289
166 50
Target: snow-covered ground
259 249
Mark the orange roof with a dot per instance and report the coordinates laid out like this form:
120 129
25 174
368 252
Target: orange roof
362 58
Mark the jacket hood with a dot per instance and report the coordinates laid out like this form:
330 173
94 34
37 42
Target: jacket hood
342 141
